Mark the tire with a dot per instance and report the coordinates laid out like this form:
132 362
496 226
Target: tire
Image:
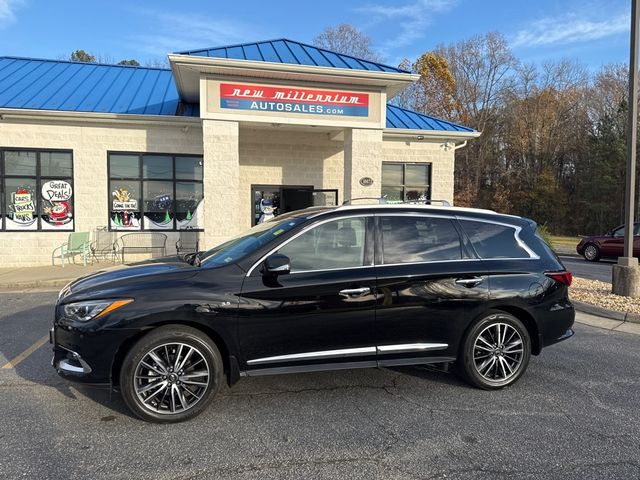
154 391
591 252
491 368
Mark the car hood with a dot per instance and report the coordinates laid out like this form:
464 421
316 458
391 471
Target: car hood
135 272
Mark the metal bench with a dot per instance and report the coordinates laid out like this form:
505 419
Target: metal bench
141 242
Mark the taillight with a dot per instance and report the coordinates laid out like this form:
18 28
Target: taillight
564 278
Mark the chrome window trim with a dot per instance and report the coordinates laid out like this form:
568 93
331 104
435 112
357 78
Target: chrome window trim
345 352
305 230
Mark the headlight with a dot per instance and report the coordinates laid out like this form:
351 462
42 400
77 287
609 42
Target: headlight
85 311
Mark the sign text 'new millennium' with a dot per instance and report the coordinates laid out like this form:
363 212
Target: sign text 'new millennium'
261 98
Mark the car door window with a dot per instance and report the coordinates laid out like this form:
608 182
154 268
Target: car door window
410 239
331 245
491 240
618 232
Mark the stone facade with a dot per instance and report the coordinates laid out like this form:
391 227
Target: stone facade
235 158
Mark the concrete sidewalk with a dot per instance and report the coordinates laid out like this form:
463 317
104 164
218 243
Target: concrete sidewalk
45 277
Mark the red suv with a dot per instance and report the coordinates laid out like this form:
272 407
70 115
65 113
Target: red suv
611 244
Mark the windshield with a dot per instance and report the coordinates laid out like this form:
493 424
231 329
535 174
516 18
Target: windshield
249 241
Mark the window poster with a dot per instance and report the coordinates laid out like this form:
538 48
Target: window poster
194 216
22 209
124 210
57 211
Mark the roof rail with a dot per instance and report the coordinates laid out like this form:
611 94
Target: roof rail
383 201
380 200
444 203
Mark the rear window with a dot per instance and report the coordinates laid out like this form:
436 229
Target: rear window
493 241
411 239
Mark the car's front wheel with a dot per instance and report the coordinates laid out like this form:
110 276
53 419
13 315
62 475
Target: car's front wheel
171 374
591 253
496 351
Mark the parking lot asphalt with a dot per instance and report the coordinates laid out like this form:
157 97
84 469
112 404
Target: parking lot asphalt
575 414
579 267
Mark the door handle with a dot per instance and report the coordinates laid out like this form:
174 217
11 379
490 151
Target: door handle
469 282
355 292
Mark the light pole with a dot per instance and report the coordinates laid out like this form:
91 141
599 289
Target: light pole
626 274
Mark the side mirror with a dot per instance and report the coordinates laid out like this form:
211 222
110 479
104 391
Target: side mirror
276 264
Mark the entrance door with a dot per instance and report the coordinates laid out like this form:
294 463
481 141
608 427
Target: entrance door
269 201
296 199
322 198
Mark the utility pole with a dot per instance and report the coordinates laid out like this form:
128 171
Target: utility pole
626 273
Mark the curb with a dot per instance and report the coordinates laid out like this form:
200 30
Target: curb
48 284
605 312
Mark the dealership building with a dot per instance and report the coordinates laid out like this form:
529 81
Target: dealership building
222 140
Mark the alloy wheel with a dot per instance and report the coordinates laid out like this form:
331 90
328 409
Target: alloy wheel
591 252
171 378
498 352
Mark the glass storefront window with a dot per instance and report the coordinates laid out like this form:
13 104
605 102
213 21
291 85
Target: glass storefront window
38 190
155 192
158 205
189 168
125 205
406 182
157 166
124 166
188 205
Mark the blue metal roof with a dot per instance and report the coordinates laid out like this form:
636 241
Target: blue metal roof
288 51
88 87
398 117
60 85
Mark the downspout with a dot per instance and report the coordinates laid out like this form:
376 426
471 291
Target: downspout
462 145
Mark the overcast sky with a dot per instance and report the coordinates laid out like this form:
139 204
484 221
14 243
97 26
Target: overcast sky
594 32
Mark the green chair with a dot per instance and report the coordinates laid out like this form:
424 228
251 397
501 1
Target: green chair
77 244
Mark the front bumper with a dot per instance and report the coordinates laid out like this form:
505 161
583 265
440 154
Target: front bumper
85 357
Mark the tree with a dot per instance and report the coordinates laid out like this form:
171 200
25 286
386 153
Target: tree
132 62
348 40
82 56
434 93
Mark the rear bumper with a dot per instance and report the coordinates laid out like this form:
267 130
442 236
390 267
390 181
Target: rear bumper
568 334
557 324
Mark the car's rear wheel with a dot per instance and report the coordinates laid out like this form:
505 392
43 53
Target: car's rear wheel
591 252
496 351
171 374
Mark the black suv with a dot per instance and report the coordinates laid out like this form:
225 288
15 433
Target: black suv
318 289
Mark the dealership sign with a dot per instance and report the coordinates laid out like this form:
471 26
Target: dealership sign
262 98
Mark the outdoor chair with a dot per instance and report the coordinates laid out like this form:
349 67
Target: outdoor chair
102 245
140 242
188 242
77 244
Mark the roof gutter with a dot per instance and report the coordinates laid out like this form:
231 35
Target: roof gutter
95 117
419 135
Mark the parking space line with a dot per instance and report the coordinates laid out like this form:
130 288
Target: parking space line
19 358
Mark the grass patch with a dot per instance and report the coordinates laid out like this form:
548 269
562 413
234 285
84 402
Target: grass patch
566 242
